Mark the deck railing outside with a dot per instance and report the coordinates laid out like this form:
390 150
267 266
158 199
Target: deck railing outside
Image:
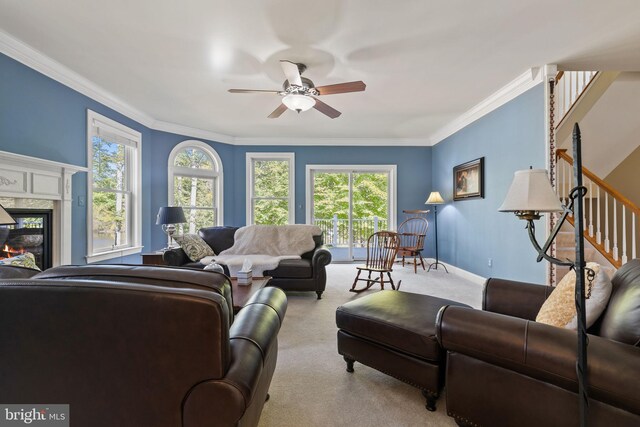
336 230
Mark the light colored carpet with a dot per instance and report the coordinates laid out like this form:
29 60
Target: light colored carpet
311 387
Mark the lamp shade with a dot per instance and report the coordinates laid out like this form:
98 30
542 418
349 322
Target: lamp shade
434 199
5 218
170 215
531 191
298 102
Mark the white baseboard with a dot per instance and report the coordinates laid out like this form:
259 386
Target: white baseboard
472 277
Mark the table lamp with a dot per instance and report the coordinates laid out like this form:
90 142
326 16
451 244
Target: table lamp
5 218
168 216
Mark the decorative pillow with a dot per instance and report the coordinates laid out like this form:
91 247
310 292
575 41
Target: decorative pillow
194 246
560 309
26 260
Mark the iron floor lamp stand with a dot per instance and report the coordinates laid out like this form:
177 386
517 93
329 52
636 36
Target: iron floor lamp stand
575 206
435 222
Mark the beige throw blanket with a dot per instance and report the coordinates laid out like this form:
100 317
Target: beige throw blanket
265 246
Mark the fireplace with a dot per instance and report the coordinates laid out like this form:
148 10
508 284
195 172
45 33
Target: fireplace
25 180
32 233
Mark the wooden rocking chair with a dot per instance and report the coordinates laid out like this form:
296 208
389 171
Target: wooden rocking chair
382 248
412 233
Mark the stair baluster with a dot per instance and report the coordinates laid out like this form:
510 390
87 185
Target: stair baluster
569 86
621 233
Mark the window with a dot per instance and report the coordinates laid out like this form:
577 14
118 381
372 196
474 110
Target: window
270 188
113 189
195 183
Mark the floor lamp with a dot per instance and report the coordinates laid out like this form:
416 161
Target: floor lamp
435 199
529 195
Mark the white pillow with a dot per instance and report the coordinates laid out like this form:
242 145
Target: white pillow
560 310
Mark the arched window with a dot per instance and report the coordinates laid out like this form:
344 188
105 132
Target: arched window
195 183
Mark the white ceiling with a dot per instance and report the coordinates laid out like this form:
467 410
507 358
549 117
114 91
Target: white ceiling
424 62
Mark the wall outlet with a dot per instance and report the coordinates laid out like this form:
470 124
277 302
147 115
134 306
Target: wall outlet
489 262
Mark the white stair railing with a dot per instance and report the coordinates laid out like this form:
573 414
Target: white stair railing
569 86
621 216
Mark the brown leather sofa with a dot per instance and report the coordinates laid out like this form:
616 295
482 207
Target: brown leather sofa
138 346
504 369
306 274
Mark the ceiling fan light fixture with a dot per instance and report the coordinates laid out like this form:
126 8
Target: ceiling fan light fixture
298 102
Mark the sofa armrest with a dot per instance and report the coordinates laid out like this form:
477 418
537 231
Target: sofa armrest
321 257
543 352
513 298
254 345
175 257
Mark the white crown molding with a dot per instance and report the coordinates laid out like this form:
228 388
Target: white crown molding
36 60
511 90
191 132
22 161
368 142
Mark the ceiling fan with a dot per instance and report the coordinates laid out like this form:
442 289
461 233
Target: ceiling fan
299 93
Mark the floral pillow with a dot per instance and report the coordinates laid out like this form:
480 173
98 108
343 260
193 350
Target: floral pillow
560 308
26 260
194 246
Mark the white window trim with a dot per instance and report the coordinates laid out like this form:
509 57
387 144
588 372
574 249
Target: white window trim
291 158
203 173
136 187
393 187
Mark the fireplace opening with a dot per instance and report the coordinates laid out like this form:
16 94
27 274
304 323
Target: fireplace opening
32 233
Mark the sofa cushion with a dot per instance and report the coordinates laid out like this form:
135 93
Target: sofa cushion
621 320
26 260
194 246
16 272
560 308
292 268
218 238
402 321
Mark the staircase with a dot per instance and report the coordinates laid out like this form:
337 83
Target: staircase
611 220
566 249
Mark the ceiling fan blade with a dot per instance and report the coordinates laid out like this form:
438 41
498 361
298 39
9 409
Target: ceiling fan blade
291 72
278 111
342 88
252 91
325 109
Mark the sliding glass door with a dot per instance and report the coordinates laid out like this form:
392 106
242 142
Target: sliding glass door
349 203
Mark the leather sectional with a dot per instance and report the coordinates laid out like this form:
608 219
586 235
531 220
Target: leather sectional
305 274
137 345
505 369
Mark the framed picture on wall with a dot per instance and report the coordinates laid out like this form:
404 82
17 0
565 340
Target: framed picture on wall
468 180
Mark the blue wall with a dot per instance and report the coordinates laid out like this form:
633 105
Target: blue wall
471 231
42 118
414 178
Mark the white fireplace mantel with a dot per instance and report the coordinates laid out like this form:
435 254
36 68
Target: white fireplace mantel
26 177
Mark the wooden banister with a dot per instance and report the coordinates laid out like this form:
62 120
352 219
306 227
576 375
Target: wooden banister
615 262
562 153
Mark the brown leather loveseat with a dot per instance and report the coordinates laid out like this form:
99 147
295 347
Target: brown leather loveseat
138 346
505 369
305 274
